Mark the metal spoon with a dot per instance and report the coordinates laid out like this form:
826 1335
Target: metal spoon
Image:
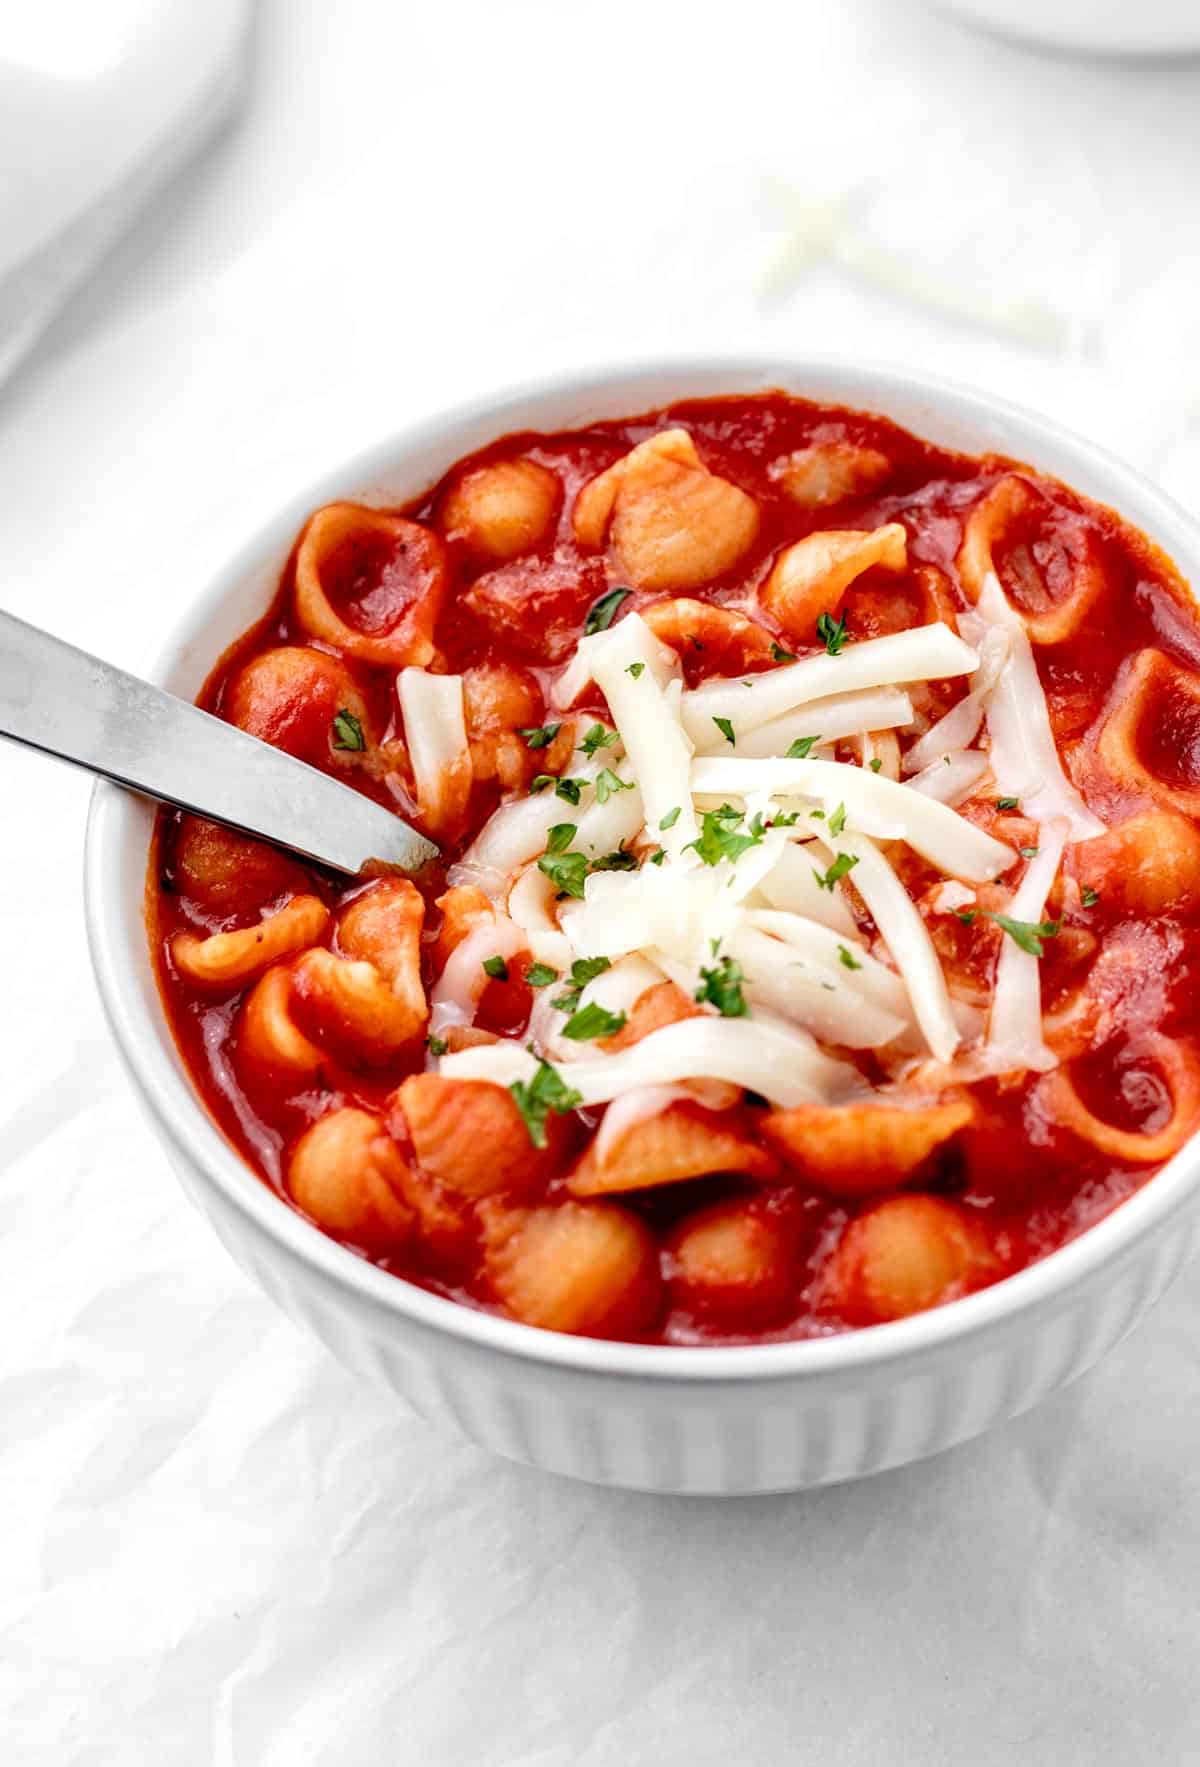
64 702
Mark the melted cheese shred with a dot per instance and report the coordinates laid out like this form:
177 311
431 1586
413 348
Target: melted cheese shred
1014 1030
904 933
1024 756
924 653
873 803
778 1061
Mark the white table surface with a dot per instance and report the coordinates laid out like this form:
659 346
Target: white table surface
214 1546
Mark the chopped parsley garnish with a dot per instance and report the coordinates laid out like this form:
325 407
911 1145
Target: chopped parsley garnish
347 731
540 781
621 860
569 790
436 1045
1028 934
721 986
540 975
656 858
583 971
597 738
875 764
784 819
671 818
536 1098
719 837
496 968
635 669
591 1021
602 613
1028 852
832 633
847 959
725 726
1088 896
539 736
966 915
780 655
802 748
1008 803
842 864
567 871
607 783
838 820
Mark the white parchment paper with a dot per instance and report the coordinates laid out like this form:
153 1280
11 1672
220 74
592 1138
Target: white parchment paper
215 1548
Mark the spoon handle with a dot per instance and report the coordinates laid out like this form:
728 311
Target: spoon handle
66 703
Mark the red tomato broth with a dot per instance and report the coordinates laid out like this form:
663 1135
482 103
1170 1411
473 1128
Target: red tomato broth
1028 1180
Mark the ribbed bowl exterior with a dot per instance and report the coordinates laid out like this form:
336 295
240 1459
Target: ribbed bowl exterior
728 1438
727 1421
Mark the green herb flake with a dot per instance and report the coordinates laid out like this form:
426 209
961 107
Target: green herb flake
583 971
496 968
1028 852
566 871
725 726
570 790
802 748
847 958
540 975
621 860
1028 934
966 915
720 837
670 819
539 736
607 783
635 669
842 864
657 857
1088 896
602 613
347 731
838 820
536 1098
832 633
559 837
1008 803
436 1045
721 986
540 781
875 764
780 655
592 1021
597 738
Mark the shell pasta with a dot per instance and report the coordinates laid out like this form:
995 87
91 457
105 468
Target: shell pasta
818 897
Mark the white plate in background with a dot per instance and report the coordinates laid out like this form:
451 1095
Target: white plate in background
1105 27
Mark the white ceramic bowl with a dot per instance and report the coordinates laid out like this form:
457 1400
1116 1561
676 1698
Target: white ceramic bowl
761 1418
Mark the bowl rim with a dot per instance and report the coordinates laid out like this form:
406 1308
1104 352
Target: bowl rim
182 1120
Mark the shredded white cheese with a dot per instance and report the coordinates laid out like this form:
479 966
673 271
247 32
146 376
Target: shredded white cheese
456 992
778 1061
923 653
829 720
904 933
952 778
1014 1030
937 833
809 992
1024 757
